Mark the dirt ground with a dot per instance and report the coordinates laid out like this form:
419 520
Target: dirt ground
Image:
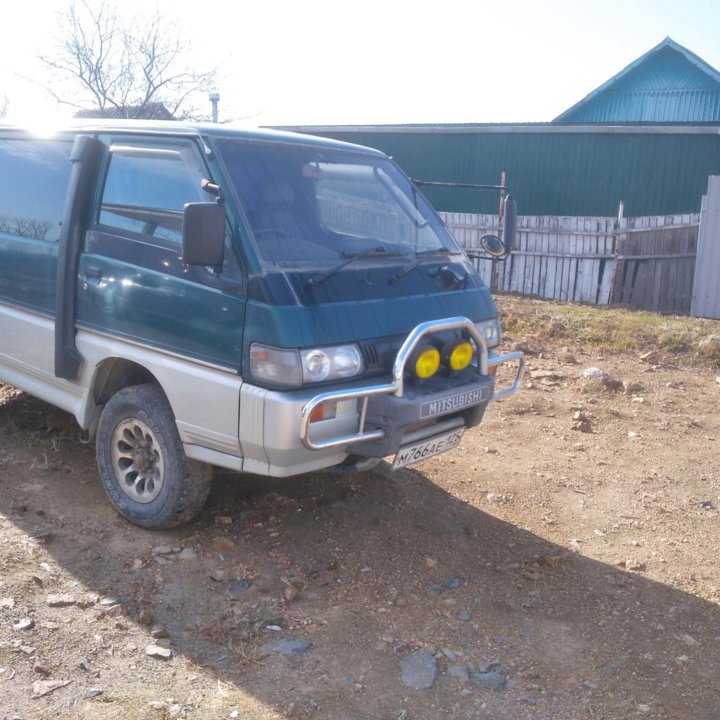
560 564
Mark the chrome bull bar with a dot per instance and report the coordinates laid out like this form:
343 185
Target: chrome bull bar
397 385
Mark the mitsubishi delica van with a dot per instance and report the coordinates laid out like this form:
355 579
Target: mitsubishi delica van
260 301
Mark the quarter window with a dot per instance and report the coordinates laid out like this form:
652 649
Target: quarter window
33 186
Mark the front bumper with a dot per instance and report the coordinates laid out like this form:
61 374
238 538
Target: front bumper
391 415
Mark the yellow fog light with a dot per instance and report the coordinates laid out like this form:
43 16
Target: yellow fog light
427 363
461 356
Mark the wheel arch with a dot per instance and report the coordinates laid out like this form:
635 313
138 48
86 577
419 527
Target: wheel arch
111 375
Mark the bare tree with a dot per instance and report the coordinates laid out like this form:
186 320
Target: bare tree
25 227
4 104
108 66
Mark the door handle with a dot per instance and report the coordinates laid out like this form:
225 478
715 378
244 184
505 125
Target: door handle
93 273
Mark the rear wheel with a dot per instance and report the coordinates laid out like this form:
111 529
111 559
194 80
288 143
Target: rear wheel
142 464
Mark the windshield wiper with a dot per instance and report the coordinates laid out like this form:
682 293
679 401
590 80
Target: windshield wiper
378 251
422 255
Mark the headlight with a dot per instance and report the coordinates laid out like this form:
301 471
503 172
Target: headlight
334 363
347 361
293 368
490 330
316 366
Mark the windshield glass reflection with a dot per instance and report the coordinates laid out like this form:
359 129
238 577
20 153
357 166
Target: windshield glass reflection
309 206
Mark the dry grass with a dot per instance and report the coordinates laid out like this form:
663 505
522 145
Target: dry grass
610 329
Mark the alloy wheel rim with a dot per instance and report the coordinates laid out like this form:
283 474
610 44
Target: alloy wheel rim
137 460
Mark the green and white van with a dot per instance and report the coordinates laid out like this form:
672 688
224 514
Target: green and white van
198 295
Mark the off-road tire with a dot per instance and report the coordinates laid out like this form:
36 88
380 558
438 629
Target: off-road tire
142 464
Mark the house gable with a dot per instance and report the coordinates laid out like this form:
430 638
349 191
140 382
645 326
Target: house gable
669 84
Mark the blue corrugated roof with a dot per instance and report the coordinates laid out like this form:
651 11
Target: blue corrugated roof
667 84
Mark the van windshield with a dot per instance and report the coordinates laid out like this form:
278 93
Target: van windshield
312 206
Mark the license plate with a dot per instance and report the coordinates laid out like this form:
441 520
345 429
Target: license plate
423 450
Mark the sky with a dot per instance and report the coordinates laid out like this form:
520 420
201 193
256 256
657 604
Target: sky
317 62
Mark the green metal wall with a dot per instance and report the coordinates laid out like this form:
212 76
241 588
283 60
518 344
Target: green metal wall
555 173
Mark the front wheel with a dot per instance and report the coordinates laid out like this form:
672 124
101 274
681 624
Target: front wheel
142 464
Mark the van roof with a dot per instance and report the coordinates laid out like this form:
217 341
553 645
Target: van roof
163 127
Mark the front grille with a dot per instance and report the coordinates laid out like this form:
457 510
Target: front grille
379 354
371 356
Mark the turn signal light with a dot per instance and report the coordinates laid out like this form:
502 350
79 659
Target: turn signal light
326 411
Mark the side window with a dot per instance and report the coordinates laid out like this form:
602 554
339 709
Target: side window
33 184
147 188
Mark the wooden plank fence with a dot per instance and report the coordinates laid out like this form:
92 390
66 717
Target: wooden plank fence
646 262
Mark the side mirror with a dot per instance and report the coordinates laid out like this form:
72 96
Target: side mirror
203 237
509 223
493 246
499 248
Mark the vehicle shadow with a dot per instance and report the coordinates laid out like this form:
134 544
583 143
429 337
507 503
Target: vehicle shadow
366 569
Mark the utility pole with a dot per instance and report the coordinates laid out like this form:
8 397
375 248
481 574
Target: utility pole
494 272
